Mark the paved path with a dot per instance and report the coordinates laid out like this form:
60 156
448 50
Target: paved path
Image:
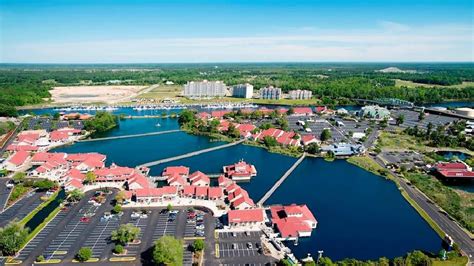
4 193
280 181
444 222
132 136
190 154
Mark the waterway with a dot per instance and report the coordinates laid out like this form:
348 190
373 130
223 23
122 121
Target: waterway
360 215
39 217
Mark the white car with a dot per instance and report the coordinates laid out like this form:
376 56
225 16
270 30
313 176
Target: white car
10 185
135 215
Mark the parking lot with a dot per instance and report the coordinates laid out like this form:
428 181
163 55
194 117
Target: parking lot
240 248
49 124
317 125
21 208
411 119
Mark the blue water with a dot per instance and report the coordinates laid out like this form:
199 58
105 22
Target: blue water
134 151
142 125
448 155
270 166
360 215
451 104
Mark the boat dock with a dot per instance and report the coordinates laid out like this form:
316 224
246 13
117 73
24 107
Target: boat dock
132 136
191 154
280 181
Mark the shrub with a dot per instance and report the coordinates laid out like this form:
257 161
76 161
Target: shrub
84 254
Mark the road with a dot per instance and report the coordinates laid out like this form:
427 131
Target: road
4 193
444 222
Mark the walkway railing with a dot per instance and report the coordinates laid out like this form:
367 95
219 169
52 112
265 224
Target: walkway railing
190 154
280 181
132 136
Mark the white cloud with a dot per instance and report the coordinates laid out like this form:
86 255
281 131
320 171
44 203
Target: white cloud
394 42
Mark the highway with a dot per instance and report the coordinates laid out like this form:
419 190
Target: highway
449 226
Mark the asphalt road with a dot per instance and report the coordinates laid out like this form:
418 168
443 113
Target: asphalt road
447 225
4 193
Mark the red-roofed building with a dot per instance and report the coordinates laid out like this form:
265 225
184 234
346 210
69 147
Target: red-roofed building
302 111
231 188
201 192
240 171
139 181
199 179
271 132
17 160
15 147
188 191
321 109
308 139
293 221
177 181
219 113
245 130
250 217
114 173
59 136
203 115
289 139
215 193
453 170
243 203
42 157
176 170
152 194
224 181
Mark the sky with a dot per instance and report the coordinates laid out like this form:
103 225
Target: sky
156 31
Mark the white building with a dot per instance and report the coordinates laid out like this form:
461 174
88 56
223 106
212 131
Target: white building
243 91
270 93
300 94
198 89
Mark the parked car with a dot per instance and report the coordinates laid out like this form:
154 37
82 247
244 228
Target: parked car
249 245
85 219
10 184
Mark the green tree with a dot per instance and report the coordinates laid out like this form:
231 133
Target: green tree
117 209
326 134
400 119
125 233
12 238
417 258
90 177
169 207
18 177
186 116
198 245
270 141
119 249
325 261
421 115
312 148
101 122
120 197
56 116
290 111
168 250
44 184
84 254
75 195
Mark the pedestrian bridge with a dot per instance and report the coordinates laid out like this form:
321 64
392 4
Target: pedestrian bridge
132 136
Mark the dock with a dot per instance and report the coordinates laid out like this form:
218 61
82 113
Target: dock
191 154
132 136
280 181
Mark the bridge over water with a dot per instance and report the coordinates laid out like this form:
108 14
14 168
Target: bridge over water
280 181
190 154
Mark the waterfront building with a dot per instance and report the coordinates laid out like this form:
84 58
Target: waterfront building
16 161
199 179
224 181
219 113
243 91
343 149
302 111
300 94
240 171
270 93
175 170
308 139
204 89
375 112
453 170
293 221
245 218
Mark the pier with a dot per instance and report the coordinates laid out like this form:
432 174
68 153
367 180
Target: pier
191 154
132 136
280 181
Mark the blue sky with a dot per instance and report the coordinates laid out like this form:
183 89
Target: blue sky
120 31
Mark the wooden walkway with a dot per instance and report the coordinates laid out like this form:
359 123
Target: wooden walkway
280 181
190 154
132 136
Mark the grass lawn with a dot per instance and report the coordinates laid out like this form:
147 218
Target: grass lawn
459 261
398 141
411 84
370 165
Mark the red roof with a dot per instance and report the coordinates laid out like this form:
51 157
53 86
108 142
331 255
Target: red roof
189 190
457 173
19 158
75 183
240 169
292 219
45 156
246 216
80 157
28 136
201 191
75 174
139 179
291 226
14 147
215 192
220 113
320 109
243 200
175 170
224 181
58 135
451 166
306 139
203 115
302 110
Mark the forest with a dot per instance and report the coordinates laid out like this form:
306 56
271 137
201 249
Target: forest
29 84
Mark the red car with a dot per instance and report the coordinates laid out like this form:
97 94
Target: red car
85 219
